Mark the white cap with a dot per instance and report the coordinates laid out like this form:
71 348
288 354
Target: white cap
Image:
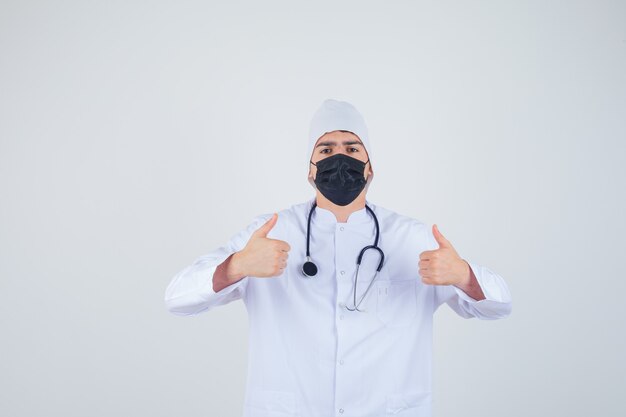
337 115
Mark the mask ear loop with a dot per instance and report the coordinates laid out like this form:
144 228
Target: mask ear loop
311 162
365 163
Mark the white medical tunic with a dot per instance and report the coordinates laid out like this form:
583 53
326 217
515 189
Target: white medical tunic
311 357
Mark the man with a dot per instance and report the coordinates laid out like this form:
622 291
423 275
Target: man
329 337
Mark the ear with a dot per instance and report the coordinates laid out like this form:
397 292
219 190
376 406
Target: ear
311 171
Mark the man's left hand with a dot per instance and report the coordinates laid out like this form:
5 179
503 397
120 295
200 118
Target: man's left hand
443 266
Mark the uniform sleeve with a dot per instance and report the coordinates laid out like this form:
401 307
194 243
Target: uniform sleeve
497 303
191 290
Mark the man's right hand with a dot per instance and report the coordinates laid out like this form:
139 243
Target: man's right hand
262 256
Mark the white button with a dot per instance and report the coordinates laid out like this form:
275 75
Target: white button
341 228
343 272
341 362
341 410
342 305
341 317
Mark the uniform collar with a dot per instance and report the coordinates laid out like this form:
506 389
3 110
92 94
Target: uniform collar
323 215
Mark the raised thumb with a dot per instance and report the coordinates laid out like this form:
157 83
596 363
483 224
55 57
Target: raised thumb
443 242
266 227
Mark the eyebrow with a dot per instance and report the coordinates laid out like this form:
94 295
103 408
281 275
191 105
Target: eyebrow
346 142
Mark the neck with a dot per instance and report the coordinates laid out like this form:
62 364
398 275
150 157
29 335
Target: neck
341 212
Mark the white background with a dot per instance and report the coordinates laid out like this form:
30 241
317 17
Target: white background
137 136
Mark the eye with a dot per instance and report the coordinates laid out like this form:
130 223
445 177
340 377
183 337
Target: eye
325 149
356 149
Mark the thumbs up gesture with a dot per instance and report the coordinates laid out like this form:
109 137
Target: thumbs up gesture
443 266
263 256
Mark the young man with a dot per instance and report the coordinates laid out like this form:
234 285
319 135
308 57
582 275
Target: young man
340 292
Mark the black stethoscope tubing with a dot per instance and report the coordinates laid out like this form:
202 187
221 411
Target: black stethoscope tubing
309 269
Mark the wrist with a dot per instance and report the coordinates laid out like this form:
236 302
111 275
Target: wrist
466 280
233 268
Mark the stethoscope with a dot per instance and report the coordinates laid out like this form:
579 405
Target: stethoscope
309 269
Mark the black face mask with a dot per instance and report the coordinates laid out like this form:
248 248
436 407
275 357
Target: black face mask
340 178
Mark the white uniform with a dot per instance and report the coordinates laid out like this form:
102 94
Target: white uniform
311 357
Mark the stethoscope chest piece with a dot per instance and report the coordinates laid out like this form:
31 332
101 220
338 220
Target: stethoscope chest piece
309 269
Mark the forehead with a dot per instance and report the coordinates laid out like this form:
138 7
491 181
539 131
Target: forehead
337 137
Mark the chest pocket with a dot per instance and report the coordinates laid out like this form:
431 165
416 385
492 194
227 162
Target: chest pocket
396 303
